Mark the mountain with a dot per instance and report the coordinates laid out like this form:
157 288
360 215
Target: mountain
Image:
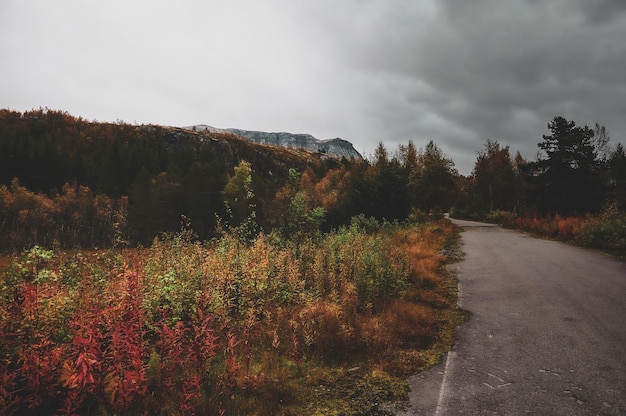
333 147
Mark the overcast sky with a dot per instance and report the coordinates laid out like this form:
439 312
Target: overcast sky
455 71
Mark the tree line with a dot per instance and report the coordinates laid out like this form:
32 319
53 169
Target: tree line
64 176
577 171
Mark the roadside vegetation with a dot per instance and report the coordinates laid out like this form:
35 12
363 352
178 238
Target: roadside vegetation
605 231
328 325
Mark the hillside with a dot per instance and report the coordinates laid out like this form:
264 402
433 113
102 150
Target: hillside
166 172
332 147
79 183
46 149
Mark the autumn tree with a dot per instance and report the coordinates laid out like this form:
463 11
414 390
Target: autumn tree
239 199
494 178
331 193
297 204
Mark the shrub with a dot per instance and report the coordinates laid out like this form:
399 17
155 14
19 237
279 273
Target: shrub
186 327
606 231
503 218
568 228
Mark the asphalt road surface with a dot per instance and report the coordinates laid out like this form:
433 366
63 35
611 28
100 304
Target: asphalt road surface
547 333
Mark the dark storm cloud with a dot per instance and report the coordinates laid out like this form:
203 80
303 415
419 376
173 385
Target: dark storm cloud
502 70
602 11
455 71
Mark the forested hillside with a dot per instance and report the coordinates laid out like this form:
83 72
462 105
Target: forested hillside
56 165
76 182
68 181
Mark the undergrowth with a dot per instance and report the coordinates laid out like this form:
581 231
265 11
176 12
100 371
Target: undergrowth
330 325
604 231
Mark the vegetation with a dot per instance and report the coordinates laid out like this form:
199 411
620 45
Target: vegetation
163 172
577 172
74 217
235 278
123 183
605 231
574 191
148 177
230 326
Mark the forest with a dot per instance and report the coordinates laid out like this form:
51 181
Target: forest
156 270
75 183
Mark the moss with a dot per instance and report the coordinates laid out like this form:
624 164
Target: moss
352 392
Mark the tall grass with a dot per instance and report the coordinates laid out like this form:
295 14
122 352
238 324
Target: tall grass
222 327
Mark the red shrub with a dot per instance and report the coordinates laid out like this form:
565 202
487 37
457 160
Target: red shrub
40 362
9 397
125 372
82 370
568 227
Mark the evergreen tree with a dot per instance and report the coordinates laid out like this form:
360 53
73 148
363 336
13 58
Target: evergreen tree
383 190
568 174
435 180
617 175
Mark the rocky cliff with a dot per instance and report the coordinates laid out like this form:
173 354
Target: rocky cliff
332 147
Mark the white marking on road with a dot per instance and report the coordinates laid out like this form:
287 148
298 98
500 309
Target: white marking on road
450 356
444 385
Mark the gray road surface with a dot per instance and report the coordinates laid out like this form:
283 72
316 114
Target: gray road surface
547 334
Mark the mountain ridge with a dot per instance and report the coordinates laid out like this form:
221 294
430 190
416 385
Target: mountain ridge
336 147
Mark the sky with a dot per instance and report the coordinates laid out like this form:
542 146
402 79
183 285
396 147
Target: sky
456 72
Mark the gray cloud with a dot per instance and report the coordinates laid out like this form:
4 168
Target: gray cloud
517 64
454 71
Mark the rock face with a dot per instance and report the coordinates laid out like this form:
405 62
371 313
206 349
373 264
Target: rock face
331 147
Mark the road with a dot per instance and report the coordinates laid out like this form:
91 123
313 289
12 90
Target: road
547 333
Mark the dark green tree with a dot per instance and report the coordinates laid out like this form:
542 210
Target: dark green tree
384 193
568 173
617 175
522 171
409 159
434 180
151 207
